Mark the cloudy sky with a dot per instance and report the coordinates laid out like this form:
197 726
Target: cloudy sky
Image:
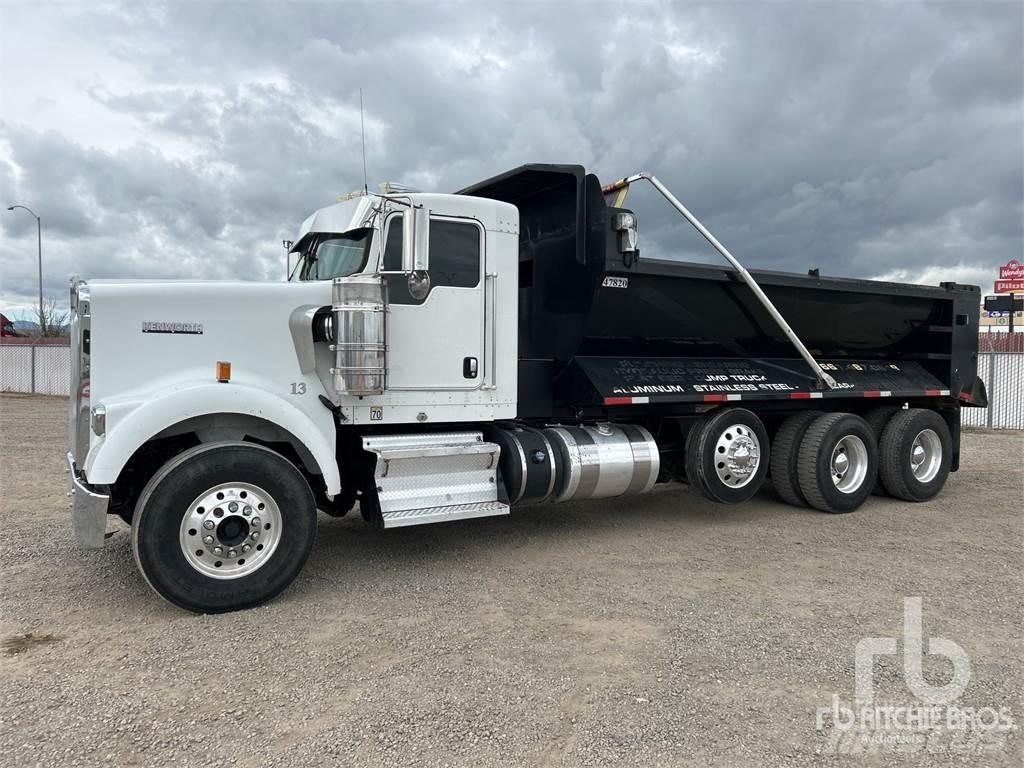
189 139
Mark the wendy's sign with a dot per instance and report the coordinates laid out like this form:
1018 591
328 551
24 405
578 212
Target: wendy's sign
1012 270
1011 277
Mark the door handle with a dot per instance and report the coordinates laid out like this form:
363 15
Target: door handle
470 367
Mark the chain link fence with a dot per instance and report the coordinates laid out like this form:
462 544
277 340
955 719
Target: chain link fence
1003 374
46 369
43 369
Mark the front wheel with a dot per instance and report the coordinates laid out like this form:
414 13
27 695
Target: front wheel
223 526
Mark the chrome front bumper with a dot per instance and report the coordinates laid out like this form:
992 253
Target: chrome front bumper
88 510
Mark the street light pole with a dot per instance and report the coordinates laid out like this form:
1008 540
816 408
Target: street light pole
39 243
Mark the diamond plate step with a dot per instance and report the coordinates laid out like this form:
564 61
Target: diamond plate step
432 477
404 517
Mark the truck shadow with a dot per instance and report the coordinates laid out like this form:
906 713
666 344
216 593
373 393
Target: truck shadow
673 512
350 552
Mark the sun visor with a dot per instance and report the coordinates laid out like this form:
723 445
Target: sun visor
335 219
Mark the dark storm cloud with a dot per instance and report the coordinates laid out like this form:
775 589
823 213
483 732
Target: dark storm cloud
863 139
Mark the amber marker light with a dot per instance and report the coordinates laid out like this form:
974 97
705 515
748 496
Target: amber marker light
223 372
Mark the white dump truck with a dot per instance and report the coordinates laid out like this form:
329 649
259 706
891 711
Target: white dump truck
437 357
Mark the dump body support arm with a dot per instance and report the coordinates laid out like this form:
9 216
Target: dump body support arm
622 184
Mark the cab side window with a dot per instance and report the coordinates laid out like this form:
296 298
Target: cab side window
454 252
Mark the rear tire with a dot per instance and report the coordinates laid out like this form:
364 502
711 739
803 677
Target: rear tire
838 462
223 526
877 418
915 454
727 455
786 457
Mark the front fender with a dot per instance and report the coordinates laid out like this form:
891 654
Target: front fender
131 423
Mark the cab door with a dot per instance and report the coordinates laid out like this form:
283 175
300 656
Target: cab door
437 342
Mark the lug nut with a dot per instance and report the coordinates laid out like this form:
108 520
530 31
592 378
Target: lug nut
256 521
233 507
207 539
208 525
246 510
218 550
254 535
231 553
246 547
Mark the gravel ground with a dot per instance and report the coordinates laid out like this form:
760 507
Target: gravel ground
651 631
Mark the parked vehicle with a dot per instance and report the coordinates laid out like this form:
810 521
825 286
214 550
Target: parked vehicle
7 329
439 357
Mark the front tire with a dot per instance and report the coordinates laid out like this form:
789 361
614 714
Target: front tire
727 455
223 527
838 462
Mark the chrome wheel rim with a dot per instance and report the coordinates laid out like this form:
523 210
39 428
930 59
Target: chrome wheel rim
849 464
737 455
230 530
926 455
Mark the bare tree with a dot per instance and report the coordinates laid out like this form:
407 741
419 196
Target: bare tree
53 321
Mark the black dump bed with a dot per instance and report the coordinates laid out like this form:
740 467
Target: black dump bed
600 330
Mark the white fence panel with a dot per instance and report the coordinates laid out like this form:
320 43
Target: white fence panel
15 368
53 370
44 369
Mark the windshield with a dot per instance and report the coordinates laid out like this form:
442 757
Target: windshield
329 256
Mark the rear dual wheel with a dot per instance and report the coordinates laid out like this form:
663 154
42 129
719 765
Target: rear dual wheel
877 418
786 456
916 450
837 462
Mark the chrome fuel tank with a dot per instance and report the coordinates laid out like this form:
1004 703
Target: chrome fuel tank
595 462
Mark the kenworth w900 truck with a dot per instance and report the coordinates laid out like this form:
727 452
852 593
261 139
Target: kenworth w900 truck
437 357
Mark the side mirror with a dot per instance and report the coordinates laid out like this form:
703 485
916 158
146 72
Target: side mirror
415 239
419 284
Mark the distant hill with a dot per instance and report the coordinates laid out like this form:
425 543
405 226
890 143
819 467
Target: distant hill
30 328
